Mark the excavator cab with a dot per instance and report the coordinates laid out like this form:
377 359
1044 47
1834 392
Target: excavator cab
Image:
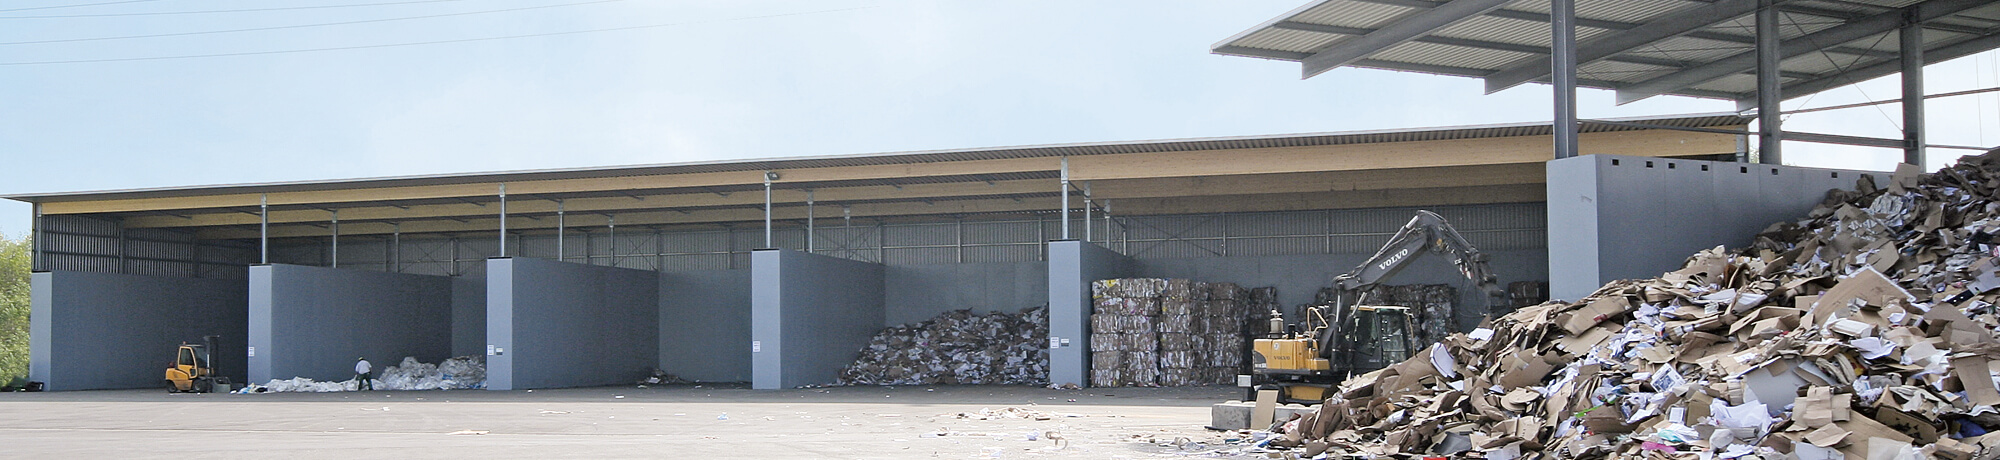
193 368
1350 336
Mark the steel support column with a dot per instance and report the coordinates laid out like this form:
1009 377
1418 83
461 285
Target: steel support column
1065 198
1562 71
36 240
809 220
611 224
560 224
1086 211
503 221
333 253
1770 136
767 211
396 240
1912 38
264 230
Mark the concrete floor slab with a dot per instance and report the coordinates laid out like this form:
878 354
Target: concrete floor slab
662 421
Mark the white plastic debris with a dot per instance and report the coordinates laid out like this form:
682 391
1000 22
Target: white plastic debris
461 373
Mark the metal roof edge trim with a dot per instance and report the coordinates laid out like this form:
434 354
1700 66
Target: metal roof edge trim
862 159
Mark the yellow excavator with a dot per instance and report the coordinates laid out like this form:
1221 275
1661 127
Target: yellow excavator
1305 361
193 369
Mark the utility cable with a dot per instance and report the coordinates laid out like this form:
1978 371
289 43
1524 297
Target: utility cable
240 10
301 26
433 42
75 6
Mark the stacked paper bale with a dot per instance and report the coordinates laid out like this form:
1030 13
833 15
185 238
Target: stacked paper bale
1158 332
1125 334
1184 339
958 347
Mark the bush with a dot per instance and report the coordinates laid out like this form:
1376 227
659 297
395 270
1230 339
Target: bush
13 310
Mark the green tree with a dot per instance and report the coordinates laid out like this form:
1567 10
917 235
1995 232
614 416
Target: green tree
14 256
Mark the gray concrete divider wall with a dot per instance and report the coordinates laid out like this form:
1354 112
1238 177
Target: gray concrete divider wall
468 315
919 292
810 316
705 325
314 321
557 324
94 331
1073 265
1618 217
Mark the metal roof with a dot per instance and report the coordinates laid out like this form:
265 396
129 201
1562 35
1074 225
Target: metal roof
934 156
1640 48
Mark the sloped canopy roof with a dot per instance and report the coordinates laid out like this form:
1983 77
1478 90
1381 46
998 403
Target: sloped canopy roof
1640 48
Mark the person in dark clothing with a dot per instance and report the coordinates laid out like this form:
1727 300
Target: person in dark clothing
365 373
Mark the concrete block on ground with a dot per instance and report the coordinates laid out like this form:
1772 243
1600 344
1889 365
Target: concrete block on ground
1235 415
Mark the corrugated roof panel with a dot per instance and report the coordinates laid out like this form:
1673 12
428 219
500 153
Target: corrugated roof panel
1354 14
1526 25
1741 83
1455 56
1624 72
1631 11
1504 30
1824 63
1690 49
1288 40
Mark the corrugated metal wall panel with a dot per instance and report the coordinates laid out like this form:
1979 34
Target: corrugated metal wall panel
919 256
936 234
1008 253
1003 232
1277 246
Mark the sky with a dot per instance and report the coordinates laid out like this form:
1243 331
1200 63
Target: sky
664 81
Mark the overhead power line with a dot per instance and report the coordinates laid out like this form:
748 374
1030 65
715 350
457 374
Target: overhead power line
239 10
302 26
75 6
434 42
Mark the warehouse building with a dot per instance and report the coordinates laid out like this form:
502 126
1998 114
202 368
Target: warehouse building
777 271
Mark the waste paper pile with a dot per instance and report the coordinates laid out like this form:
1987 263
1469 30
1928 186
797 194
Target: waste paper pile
1865 331
461 373
1149 332
958 347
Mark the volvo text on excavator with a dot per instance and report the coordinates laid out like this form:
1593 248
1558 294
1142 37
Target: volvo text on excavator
1349 336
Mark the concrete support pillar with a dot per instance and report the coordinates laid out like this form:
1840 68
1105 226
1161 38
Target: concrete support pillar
1912 37
1073 265
1562 25
1770 135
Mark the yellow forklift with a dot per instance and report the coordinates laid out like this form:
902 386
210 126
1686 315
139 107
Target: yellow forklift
194 370
1306 360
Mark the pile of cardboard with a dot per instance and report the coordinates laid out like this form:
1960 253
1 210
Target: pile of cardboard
958 347
1865 331
1166 332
